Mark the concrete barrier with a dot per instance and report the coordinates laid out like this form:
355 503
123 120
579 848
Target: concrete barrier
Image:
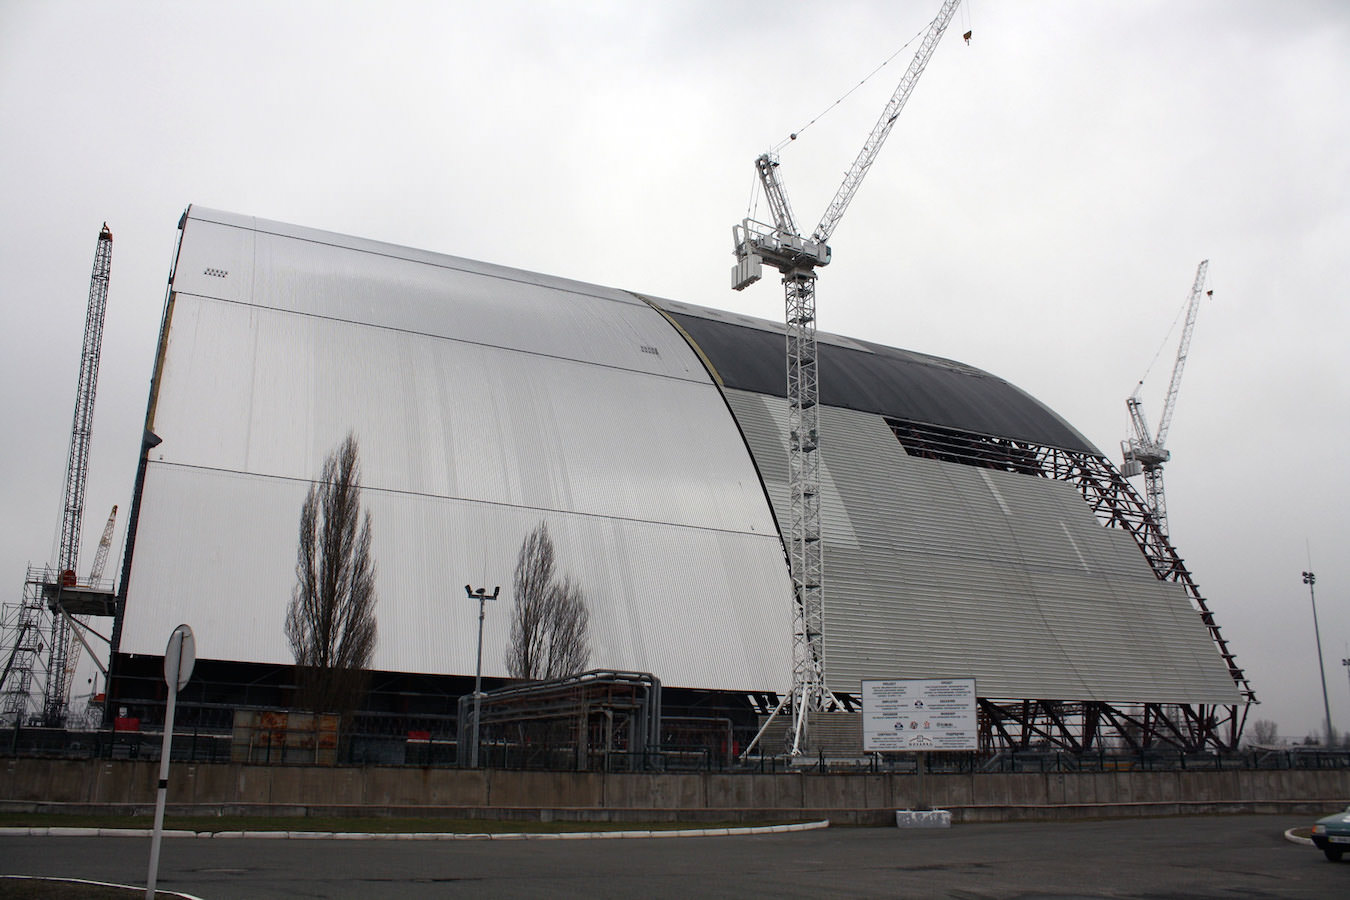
37 785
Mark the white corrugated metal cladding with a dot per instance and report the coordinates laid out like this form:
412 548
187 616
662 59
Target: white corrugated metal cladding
487 400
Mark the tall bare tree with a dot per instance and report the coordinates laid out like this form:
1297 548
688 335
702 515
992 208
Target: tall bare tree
550 623
330 622
1263 733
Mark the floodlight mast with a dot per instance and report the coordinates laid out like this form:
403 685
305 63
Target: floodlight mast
1146 452
797 257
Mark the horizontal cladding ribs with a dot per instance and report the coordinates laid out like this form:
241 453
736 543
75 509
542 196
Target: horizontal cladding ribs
971 555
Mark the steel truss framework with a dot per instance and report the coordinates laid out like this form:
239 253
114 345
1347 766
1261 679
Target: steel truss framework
1087 725
22 627
804 537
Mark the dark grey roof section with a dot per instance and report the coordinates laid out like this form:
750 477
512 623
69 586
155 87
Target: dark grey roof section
872 378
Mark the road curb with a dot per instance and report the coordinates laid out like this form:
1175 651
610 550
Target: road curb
414 836
1297 838
130 887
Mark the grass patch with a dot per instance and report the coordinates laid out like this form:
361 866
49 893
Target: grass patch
40 889
371 824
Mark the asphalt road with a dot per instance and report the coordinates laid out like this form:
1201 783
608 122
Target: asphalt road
1210 857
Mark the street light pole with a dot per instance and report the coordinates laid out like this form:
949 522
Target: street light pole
1346 663
1310 579
482 596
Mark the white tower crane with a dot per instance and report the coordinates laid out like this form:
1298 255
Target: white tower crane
1145 452
796 257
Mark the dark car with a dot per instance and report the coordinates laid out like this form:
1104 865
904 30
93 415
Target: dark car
1332 835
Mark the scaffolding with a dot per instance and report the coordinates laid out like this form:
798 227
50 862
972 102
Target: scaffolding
22 627
50 597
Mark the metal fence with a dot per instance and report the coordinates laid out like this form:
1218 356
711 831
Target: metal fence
274 737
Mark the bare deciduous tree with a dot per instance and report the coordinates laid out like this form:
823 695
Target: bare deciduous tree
550 624
330 622
1264 733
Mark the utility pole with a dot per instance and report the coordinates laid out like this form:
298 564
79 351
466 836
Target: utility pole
482 596
1310 579
1346 664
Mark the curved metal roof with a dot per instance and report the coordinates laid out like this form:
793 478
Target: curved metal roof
487 400
747 354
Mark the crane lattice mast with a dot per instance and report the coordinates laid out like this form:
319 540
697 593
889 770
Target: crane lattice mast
1147 452
797 257
77 472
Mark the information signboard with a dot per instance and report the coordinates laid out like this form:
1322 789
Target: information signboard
915 715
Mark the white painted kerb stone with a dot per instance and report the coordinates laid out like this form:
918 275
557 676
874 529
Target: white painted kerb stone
923 818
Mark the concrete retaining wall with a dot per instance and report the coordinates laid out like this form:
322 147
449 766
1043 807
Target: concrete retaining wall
45 785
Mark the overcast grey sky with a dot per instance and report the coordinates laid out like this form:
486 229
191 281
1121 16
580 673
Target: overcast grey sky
1038 212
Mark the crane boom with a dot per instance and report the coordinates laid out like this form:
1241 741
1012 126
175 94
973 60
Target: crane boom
54 698
104 545
77 462
853 178
774 194
1183 348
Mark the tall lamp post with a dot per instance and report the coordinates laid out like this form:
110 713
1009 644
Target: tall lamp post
1346 663
482 596
1310 579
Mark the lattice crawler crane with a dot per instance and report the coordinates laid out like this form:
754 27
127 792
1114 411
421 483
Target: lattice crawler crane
44 588
797 257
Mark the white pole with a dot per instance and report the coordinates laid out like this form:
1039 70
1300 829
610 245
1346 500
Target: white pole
478 679
180 654
1310 579
162 792
482 596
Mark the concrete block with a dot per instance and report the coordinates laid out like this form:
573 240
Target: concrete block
946 790
923 818
253 784
678 792
547 789
772 791
834 791
331 785
730 791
